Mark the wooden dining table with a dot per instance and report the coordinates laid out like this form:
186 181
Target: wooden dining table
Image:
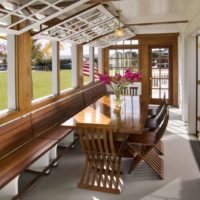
102 168
129 119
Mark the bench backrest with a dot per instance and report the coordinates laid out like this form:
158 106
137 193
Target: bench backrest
15 133
57 112
91 94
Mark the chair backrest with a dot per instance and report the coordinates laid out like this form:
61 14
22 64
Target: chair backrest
154 112
133 91
124 91
96 140
161 130
153 123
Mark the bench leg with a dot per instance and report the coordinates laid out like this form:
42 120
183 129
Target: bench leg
40 164
65 142
10 190
53 155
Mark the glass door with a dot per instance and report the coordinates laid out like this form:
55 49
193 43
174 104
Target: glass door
159 79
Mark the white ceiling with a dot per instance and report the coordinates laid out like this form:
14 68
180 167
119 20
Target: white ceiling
150 11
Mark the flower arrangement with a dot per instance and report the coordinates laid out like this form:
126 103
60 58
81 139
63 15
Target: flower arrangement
118 82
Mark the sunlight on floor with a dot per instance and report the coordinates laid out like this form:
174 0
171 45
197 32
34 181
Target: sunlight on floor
177 126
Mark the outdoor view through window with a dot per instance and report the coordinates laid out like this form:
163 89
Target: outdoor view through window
3 72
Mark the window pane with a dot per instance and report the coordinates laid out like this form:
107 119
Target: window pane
155 93
3 72
65 66
127 42
121 59
135 42
112 54
86 70
41 68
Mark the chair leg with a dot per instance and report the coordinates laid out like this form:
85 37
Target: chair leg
134 163
152 159
101 177
160 148
155 162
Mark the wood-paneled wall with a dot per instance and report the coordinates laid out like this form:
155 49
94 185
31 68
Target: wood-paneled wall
23 71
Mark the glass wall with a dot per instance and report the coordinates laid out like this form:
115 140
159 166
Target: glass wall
41 68
65 66
3 72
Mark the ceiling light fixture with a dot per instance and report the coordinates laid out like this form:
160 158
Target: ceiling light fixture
119 31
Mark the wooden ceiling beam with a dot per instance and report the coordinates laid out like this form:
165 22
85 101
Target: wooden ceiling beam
157 23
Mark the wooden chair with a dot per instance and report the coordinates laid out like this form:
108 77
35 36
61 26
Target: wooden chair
142 148
153 112
125 91
101 170
133 91
152 123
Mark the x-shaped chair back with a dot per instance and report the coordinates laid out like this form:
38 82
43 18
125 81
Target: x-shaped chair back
142 147
101 170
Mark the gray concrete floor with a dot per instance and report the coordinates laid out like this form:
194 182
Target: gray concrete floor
181 181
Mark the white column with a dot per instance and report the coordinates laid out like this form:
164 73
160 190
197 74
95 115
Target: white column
185 82
74 66
91 64
11 72
55 67
198 86
181 52
100 60
192 84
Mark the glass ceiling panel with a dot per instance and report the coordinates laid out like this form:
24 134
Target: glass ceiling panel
18 16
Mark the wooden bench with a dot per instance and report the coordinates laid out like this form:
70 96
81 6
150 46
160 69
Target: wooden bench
30 141
18 150
91 94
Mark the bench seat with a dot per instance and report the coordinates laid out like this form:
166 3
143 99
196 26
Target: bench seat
16 162
56 132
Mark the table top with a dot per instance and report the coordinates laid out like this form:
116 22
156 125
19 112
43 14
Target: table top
130 119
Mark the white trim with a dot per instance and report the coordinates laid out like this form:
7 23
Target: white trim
91 64
192 85
11 72
100 61
31 17
55 58
74 66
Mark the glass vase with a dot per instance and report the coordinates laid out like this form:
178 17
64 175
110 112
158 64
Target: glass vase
118 100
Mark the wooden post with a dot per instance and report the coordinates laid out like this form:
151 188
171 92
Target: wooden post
80 65
23 69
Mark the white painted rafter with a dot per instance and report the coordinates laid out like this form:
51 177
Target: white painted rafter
34 22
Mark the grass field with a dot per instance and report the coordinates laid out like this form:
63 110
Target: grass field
42 84
3 90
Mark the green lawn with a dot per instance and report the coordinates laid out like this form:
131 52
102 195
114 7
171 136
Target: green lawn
42 85
3 90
